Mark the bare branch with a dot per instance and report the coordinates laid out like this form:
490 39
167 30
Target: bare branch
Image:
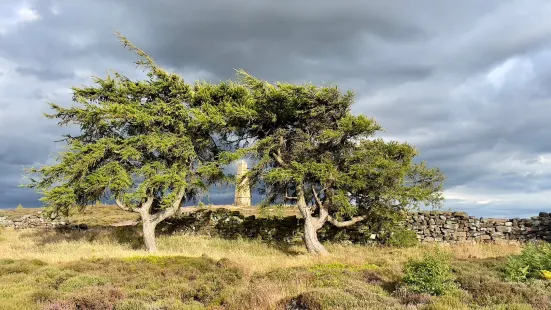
121 205
278 156
279 159
301 202
324 213
168 212
353 221
316 198
146 206
290 197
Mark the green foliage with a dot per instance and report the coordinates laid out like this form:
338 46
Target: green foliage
534 259
432 274
138 140
311 150
19 207
176 282
483 281
104 283
403 238
78 282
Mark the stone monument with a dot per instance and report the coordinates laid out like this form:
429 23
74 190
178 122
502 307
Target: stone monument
242 189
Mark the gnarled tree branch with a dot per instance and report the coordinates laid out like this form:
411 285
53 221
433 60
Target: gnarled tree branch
324 213
277 156
121 205
168 212
350 222
146 206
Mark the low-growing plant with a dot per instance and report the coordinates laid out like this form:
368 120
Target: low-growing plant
432 274
402 238
532 263
546 274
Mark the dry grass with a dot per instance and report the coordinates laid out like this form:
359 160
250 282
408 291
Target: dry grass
45 268
53 247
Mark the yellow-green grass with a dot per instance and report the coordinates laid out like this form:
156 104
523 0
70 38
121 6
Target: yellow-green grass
103 267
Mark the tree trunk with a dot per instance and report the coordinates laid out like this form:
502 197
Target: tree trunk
149 235
311 237
150 221
311 226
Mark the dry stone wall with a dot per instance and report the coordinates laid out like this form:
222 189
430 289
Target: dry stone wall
31 221
458 226
433 226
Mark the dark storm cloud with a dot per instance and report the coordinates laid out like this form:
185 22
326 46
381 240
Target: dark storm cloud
467 83
45 74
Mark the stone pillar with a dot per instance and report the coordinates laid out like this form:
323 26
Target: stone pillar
243 189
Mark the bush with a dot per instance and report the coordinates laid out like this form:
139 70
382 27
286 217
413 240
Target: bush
403 238
432 274
532 263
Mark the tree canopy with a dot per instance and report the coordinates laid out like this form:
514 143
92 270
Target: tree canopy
311 150
145 144
151 145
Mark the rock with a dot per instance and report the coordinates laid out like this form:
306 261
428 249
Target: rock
503 229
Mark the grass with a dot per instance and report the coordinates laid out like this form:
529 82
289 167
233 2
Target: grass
99 269
106 268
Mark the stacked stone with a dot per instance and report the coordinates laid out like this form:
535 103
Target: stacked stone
4 221
435 226
537 227
31 221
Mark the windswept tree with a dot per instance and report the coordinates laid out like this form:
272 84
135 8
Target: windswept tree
311 150
147 145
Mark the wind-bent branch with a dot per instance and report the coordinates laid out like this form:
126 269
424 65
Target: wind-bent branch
350 222
146 206
279 160
316 198
277 156
121 205
168 212
324 213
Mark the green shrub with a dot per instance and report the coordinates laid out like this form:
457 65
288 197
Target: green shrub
529 264
432 274
403 238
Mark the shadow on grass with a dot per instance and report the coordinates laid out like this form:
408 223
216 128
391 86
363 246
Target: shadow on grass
130 235
125 235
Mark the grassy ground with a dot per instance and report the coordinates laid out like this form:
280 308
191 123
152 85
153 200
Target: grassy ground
106 268
96 269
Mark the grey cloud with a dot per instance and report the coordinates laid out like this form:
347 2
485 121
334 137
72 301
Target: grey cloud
422 69
45 74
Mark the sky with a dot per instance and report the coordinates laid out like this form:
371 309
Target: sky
467 82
